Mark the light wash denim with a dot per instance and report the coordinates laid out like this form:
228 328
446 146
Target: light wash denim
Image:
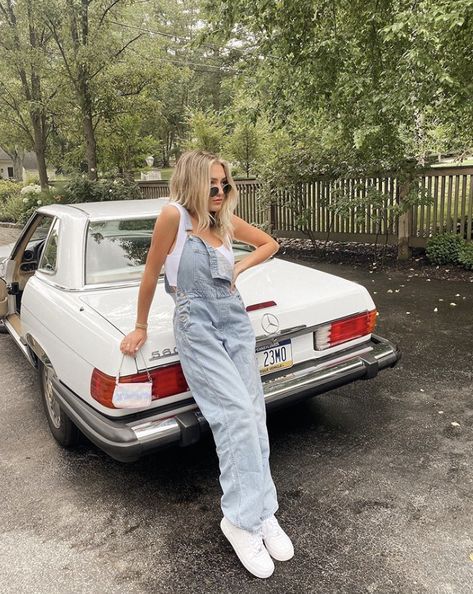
216 345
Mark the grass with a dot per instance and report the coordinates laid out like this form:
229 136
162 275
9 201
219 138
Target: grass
166 173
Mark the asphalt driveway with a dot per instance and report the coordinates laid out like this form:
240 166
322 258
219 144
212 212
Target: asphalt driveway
375 479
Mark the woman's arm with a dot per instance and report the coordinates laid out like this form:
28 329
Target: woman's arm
164 234
265 245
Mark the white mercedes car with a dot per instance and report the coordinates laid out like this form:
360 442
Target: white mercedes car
68 295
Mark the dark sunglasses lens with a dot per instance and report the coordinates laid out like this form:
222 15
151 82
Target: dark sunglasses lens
214 190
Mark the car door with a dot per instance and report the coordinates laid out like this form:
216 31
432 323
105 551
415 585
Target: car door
7 301
17 266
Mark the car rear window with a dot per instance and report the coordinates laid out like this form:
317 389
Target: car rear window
116 250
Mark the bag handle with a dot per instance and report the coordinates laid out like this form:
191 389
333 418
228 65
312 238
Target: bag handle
121 363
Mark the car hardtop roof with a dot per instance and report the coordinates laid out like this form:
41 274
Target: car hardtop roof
148 207
108 210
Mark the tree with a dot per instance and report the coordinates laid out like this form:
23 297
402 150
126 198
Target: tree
124 147
382 74
359 87
205 131
243 147
89 43
24 44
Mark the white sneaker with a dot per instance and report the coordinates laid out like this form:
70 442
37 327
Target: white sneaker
276 541
249 548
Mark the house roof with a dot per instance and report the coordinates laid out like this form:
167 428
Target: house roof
4 156
29 160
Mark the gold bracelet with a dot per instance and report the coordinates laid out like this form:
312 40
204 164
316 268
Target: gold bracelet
144 326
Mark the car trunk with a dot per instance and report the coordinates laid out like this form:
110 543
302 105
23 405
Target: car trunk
304 297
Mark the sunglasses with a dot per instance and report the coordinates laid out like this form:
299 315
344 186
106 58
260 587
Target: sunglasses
214 190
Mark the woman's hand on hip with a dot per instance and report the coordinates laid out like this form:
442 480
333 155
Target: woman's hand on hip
133 341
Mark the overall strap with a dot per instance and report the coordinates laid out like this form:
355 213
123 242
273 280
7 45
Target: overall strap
185 224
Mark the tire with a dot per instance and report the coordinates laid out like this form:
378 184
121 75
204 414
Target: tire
63 429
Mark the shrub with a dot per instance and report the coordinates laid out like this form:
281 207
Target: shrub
81 189
444 248
7 189
30 189
32 197
18 203
11 209
465 255
10 200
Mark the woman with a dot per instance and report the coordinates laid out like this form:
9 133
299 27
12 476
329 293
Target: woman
216 344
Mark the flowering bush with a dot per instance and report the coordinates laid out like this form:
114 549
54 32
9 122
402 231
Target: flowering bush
31 189
32 198
19 203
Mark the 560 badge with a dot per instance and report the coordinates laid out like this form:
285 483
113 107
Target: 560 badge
278 356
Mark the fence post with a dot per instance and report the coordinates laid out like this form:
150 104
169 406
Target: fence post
272 218
404 251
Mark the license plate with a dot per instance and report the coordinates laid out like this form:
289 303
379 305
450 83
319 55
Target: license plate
278 356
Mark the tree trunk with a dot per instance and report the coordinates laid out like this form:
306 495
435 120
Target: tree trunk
91 148
79 29
33 94
88 128
38 119
40 149
17 158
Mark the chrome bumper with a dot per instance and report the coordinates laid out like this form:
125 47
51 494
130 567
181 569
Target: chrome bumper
128 440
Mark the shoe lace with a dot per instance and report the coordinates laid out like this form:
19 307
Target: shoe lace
271 527
256 541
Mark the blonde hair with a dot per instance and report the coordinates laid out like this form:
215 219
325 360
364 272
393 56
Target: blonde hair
190 186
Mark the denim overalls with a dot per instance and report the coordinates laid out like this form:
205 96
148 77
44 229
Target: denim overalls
216 345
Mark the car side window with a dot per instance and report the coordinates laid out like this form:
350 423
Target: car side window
48 261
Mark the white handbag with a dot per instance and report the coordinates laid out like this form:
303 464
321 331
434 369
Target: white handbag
132 394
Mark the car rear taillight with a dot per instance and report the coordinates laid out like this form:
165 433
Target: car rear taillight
167 381
261 305
340 331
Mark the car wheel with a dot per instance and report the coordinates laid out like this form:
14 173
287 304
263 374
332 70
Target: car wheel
62 428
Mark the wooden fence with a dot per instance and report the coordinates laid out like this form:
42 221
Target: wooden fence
451 207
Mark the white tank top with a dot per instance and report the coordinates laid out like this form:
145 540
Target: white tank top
171 264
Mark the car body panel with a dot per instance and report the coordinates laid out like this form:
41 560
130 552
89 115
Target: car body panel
77 328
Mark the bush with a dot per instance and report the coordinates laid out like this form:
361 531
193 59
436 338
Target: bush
8 189
11 209
10 201
465 255
18 203
81 189
444 248
32 197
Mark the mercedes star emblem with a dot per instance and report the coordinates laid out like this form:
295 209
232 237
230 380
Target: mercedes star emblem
270 323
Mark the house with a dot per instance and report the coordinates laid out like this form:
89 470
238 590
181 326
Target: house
30 166
6 165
